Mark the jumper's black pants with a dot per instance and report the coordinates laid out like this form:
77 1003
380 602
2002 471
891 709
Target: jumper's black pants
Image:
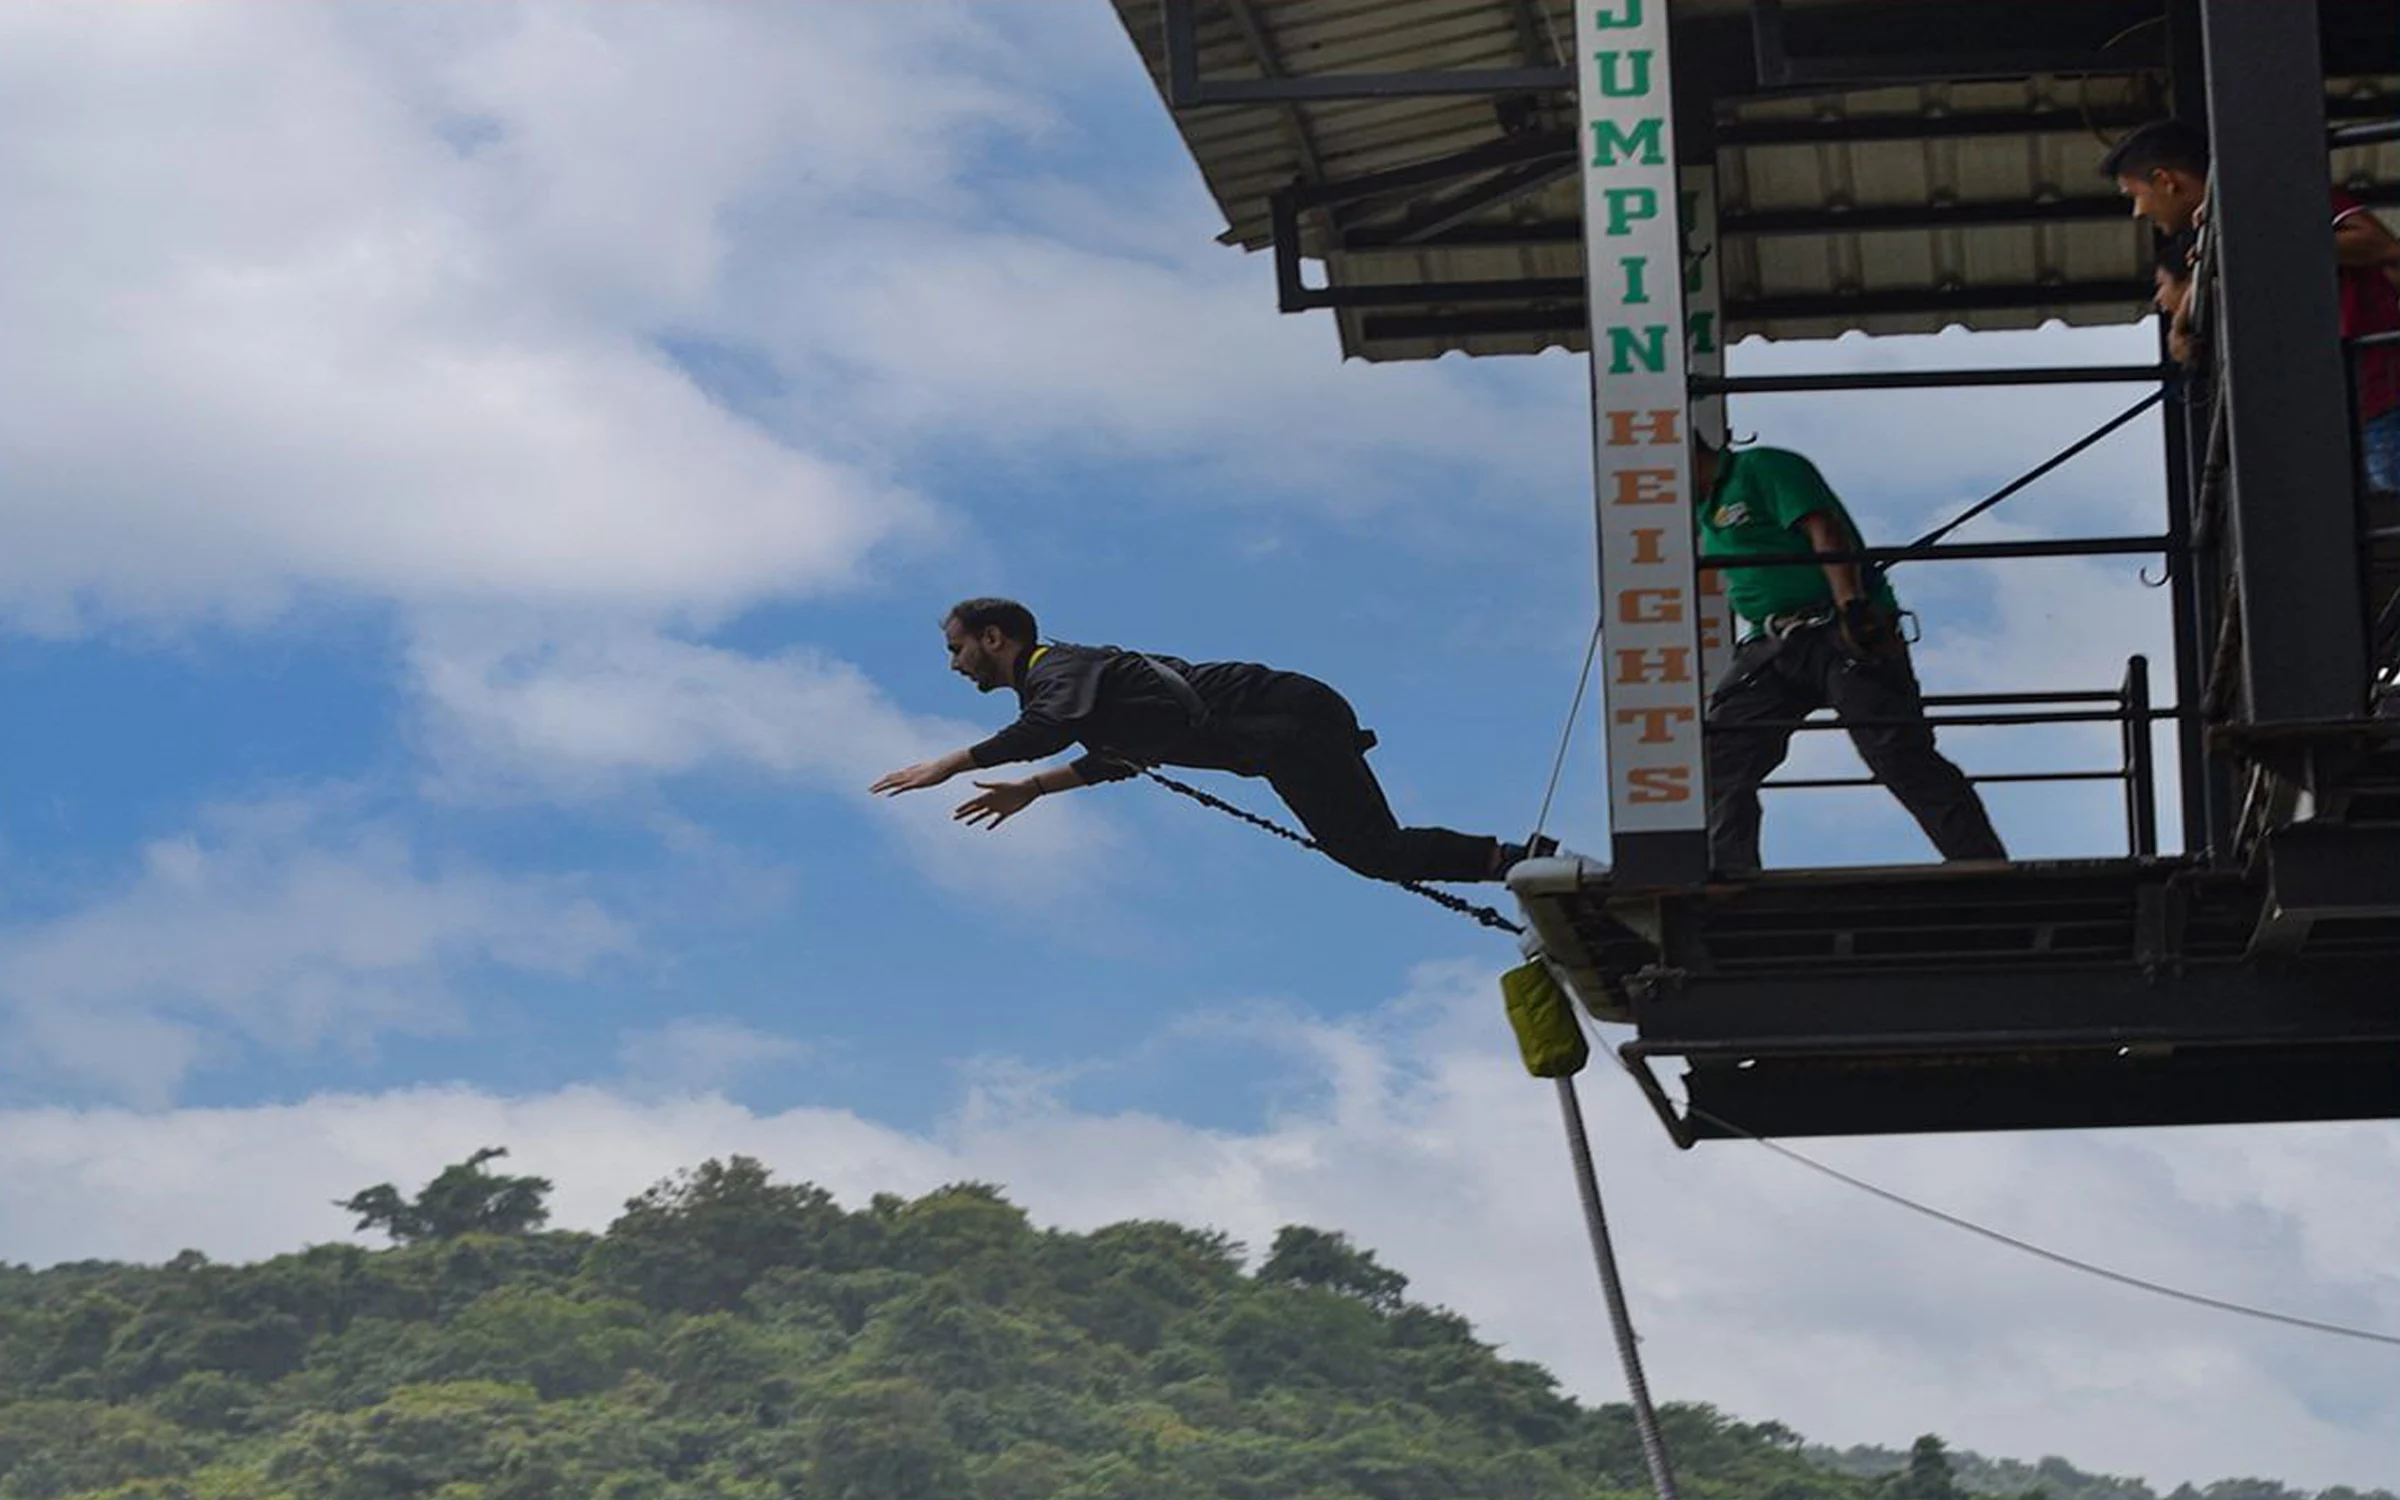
1783 680
1304 738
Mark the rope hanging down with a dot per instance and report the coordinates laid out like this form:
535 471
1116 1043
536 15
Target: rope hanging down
1925 542
1566 733
1612 1287
1465 908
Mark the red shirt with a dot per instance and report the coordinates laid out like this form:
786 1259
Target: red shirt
2370 304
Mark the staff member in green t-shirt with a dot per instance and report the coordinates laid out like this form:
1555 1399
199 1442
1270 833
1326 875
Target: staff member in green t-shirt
1820 636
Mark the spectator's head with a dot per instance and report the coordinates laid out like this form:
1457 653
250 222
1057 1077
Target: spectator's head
986 638
2163 168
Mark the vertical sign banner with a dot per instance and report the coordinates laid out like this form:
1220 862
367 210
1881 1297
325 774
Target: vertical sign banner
1649 593
1704 353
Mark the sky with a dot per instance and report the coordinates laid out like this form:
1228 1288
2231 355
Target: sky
482 484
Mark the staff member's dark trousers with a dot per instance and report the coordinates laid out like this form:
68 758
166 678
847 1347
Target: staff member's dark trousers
1783 680
1305 739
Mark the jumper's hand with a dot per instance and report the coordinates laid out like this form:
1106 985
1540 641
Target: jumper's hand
996 803
923 774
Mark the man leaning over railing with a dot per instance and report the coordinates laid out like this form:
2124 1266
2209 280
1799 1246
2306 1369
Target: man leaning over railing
2162 168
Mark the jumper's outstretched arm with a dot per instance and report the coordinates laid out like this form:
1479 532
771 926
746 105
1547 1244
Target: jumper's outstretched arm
923 774
998 801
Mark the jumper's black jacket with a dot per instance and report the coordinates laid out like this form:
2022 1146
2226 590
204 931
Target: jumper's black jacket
1127 710
1125 713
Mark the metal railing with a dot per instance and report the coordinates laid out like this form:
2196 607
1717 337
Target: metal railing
2128 706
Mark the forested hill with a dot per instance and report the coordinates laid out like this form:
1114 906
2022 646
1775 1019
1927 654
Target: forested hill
730 1336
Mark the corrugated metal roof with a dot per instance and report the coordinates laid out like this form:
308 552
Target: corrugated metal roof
1886 209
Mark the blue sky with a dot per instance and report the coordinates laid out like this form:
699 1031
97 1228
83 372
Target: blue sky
482 485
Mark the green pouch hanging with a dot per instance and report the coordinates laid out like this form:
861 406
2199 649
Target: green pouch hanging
1548 1035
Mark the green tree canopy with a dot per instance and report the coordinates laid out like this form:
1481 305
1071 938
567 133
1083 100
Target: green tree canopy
464 1199
1315 1257
732 1337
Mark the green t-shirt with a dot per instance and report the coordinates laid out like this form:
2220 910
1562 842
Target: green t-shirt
1755 511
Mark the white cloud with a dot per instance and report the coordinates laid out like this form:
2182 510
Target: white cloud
1757 1286
282 926
305 301
1020 341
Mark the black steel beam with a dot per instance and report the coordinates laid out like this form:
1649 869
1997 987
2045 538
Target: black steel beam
1270 64
1179 37
2190 585
1993 700
1451 210
1793 223
1876 218
1993 1008
2198 581
1860 721
2141 774
2371 133
1434 293
1283 217
2289 480
1867 129
1506 151
1904 301
1314 88
1544 235
1910 380
2228 1087
2099 546
1993 778
1565 318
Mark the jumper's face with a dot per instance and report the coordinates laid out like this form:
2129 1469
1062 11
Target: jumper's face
979 657
2167 198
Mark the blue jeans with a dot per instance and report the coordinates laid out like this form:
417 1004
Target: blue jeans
2379 440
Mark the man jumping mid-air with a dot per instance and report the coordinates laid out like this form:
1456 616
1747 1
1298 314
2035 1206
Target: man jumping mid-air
1130 711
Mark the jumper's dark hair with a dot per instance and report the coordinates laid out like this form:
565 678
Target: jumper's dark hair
2170 145
1011 619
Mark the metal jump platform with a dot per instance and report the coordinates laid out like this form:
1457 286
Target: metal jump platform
1504 176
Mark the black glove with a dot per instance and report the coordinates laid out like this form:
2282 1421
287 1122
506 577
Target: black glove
1867 630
